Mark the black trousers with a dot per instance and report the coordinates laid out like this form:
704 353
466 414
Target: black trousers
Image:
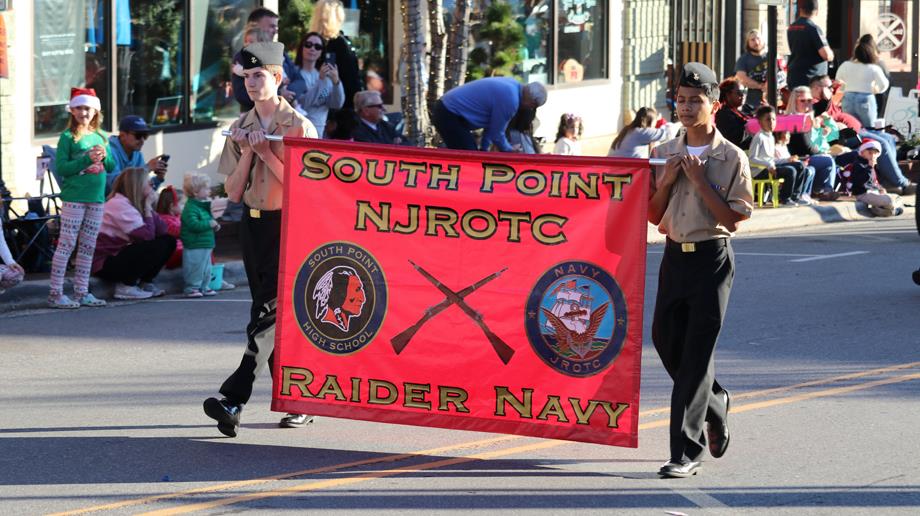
693 291
138 262
260 239
454 129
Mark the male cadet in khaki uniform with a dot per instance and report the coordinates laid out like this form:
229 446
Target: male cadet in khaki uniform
698 200
255 174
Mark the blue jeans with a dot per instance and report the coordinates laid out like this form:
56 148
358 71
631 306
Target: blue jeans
825 173
196 269
889 173
860 105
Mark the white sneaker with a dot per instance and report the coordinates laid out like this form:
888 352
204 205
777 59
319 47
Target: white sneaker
131 292
154 290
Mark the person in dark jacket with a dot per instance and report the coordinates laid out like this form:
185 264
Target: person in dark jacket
328 18
371 126
730 121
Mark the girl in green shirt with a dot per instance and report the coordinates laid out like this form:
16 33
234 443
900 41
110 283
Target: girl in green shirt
82 160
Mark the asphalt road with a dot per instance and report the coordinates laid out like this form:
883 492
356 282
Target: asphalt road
101 410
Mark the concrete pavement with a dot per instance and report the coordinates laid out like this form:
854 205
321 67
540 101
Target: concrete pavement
32 293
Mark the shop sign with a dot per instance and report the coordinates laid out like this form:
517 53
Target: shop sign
891 31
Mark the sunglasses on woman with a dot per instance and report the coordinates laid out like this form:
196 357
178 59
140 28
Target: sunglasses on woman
317 46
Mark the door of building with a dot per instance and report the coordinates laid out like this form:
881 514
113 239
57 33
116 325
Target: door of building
894 24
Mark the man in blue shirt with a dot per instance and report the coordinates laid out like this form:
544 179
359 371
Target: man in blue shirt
487 104
126 150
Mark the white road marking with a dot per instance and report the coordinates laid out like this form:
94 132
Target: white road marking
828 256
699 498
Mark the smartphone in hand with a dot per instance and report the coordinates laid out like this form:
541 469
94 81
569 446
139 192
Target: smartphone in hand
329 58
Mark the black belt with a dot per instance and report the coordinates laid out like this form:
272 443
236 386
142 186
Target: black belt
255 213
692 247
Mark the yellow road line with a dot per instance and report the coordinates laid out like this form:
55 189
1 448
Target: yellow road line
812 383
491 441
339 482
282 476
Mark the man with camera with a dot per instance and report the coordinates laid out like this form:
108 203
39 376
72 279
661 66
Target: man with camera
125 148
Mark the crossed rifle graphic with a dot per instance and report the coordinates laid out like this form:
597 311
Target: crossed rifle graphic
503 350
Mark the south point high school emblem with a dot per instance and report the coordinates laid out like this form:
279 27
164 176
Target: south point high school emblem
576 318
340 297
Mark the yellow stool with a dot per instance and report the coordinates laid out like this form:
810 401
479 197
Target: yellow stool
760 184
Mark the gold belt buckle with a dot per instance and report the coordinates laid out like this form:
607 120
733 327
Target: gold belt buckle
254 213
688 247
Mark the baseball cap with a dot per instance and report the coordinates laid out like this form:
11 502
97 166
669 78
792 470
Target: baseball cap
133 124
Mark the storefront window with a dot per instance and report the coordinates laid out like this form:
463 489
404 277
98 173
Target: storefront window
70 50
366 25
151 78
570 33
217 27
581 40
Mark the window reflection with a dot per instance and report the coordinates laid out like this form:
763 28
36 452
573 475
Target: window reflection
890 22
581 35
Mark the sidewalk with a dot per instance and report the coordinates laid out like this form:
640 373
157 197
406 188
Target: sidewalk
33 292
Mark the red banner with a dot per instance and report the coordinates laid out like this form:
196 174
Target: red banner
491 292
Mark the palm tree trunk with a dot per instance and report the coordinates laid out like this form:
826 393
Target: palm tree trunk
414 88
437 36
458 37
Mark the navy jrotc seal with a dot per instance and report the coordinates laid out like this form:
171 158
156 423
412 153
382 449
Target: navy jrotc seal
576 318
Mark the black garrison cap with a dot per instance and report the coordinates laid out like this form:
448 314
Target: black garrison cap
695 75
261 54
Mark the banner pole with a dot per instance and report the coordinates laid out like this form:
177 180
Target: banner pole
276 138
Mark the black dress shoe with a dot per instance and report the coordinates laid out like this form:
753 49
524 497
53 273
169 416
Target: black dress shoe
717 436
680 469
225 413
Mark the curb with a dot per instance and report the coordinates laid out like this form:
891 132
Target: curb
31 294
771 219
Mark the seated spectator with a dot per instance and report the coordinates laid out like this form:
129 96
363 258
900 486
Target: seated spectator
889 173
730 121
781 139
316 86
125 147
11 273
858 178
634 140
764 164
372 127
814 145
133 244
568 135
169 209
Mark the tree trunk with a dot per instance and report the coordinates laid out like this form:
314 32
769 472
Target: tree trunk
414 84
458 37
437 37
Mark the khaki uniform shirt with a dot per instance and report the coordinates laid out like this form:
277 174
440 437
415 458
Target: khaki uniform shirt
687 219
264 191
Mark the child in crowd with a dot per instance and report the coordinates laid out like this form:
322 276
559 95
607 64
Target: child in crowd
858 178
11 273
169 208
762 156
197 234
634 140
568 135
82 161
804 170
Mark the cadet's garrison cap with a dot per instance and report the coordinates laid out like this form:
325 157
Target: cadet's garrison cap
261 54
695 75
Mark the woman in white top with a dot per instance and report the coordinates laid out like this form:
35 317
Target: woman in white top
568 135
633 141
862 77
317 87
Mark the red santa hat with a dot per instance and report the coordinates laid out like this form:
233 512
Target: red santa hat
84 97
870 144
